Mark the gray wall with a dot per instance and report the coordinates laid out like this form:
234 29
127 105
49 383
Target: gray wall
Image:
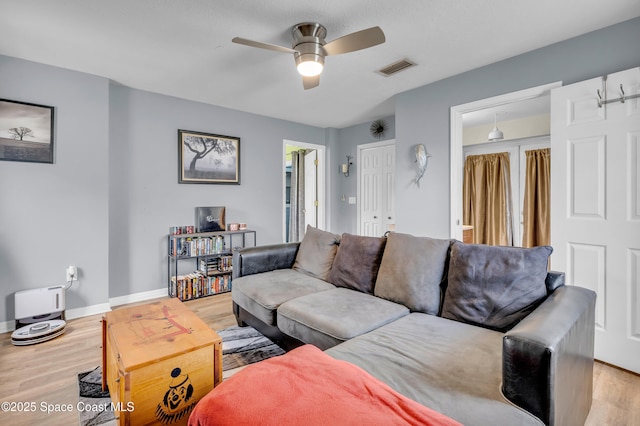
55 215
146 199
422 115
107 202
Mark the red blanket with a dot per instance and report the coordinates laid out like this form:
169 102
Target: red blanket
308 387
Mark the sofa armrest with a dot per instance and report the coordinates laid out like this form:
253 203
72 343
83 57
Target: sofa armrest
553 281
547 359
254 260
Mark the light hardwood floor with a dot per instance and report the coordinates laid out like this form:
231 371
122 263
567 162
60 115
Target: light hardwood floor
46 374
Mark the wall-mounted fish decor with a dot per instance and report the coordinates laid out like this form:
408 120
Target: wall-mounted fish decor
422 157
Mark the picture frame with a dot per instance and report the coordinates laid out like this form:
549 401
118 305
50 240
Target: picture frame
26 132
208 158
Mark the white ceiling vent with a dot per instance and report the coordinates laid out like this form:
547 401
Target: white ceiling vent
396 67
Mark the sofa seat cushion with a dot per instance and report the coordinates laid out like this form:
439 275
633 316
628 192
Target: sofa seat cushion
261 294
331 317
451 367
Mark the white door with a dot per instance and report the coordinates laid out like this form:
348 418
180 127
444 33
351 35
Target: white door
311 188
595 206
377 189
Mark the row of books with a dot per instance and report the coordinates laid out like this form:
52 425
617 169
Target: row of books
215 265
195 285
199 246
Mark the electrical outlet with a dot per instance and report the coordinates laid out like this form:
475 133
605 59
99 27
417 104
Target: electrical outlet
72 273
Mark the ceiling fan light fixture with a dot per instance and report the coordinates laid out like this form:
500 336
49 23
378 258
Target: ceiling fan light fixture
310 65
309 47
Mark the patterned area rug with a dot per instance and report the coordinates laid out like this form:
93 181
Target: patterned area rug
97 402
245 345
240 346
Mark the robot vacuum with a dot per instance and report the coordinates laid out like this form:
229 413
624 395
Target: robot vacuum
38 332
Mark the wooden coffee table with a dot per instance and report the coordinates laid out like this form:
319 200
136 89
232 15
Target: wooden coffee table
158 360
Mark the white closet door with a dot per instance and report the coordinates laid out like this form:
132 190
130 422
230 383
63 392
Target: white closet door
388 188
377 190
595 207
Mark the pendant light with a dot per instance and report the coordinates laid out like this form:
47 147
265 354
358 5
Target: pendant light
496 134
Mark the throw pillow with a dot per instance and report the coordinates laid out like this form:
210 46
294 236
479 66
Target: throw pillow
494 287
411 271
357 262
316 253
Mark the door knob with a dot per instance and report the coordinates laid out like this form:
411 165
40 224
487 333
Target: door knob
375 217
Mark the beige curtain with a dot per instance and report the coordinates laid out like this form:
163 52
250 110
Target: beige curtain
487 198
537 230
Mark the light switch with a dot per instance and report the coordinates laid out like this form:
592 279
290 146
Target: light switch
352 200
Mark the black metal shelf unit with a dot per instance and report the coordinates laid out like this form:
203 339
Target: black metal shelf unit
212 253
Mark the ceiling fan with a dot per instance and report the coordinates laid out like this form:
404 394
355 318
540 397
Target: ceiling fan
309 47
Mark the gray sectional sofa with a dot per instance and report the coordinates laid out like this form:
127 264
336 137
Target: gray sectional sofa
485 335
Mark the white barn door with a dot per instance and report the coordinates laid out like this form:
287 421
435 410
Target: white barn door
595 206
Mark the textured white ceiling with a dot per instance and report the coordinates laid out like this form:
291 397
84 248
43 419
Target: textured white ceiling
184 49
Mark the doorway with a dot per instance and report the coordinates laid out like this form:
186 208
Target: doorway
457 156
516 151
303 188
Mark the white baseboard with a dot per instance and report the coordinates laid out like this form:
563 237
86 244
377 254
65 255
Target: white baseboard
7 326
87 310
138 297
101 308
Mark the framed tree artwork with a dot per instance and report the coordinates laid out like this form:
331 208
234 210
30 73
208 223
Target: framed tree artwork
26 132
208 158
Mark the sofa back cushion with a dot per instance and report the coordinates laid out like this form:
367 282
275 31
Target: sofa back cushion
316 253
357 262
412 270
494 287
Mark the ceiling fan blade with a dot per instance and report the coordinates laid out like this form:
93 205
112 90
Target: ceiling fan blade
310 82
355 41
262 45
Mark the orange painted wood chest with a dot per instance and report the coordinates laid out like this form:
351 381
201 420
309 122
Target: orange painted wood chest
158 360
